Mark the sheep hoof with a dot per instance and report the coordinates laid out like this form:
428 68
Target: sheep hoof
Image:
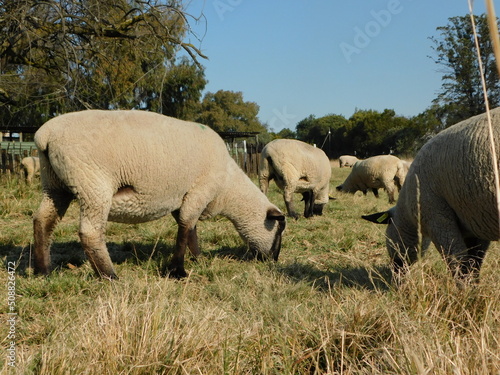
175 272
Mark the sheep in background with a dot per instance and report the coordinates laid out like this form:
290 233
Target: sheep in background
297 167
407 165
383 171
30 166
134 167
347 161
448 198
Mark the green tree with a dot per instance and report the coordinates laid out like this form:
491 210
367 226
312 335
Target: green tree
62 55
228 111
180 91
371 132
326 132
461 93
286 133
305 129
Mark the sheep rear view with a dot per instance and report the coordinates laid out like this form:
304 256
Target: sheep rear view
382 171
347 161
297 167
134 167
449 198
30 166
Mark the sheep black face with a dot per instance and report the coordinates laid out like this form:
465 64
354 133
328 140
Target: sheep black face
276 222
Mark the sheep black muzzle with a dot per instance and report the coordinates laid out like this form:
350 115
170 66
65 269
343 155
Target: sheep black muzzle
276 248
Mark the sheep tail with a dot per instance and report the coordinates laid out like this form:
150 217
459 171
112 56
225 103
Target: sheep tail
42 139
400 176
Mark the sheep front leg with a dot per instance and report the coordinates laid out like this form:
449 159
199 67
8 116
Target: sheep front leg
308 198
192 240
470 264
51 210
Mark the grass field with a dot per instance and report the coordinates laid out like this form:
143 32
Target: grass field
326 307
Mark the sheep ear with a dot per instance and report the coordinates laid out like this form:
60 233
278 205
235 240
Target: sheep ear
275 214
379 217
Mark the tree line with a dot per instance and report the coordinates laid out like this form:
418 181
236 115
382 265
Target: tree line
58 56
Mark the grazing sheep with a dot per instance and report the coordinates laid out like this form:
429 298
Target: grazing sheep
383 171
30 166
134 167
448 198
297 168
347 161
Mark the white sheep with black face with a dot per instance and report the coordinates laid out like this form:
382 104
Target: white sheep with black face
134 167
297 167
382 171
449 198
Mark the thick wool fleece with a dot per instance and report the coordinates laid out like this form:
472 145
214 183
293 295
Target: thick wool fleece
297 167
135 166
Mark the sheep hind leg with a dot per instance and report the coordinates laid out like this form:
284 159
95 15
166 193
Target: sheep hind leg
51 211
390 188
92 237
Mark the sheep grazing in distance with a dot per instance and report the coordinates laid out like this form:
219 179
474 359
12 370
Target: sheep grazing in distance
297 167
449 196
134 167
347 161
30 166
383 171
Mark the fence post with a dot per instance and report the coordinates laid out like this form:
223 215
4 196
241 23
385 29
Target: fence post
4 160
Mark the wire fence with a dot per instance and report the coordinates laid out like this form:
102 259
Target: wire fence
247 156
11 154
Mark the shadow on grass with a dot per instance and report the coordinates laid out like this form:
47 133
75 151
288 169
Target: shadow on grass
240 253
373 278
71 255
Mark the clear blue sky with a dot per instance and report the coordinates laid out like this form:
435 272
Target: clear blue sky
295 58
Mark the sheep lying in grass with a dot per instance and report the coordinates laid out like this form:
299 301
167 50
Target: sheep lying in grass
347 161
449 198
134 167
297 168
383 171
30 166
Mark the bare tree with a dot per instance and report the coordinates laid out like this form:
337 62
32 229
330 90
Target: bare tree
60 55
